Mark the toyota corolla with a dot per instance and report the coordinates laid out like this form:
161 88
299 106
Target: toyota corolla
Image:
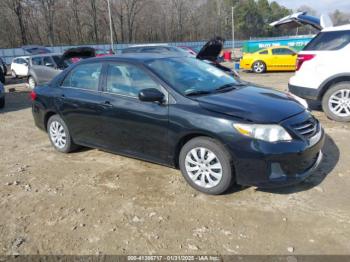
183 113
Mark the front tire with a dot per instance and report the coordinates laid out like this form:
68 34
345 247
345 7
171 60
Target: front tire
259 67
206 165
336 102
59 135
31 82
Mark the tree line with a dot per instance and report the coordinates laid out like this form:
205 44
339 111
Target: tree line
79 22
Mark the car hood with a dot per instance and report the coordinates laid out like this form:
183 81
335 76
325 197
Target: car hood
252 103
211 50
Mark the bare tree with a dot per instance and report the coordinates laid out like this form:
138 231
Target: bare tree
47 8
16 7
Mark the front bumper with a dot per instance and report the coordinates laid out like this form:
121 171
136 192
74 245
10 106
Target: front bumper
268 165
304 92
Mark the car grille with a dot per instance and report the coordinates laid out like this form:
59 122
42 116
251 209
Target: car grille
307 128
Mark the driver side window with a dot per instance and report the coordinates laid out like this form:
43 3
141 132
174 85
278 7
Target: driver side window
128 80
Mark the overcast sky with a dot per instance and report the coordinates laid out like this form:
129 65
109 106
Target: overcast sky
321 6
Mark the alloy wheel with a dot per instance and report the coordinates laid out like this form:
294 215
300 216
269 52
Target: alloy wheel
339 103
203 167
58 134
259 67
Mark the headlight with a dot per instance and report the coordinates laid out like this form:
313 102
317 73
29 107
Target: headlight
270 133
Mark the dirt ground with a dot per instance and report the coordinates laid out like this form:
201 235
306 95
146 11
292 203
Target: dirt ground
93 202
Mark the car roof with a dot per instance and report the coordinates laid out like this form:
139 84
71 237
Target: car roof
337 28
132 57
24 57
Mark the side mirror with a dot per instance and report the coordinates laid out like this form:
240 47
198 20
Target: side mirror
151 95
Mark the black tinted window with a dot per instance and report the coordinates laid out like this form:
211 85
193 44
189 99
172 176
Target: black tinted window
265 52
128 80
329 41
84 76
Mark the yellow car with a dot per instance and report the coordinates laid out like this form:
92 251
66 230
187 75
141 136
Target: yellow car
270 59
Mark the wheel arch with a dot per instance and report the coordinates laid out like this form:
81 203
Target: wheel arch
189 136
47 117
332 81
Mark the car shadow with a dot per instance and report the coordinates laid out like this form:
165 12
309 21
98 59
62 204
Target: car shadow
331 157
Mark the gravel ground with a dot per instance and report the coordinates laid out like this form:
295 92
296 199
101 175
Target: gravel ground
93 202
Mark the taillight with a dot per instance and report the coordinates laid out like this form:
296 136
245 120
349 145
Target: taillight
303 58
33 95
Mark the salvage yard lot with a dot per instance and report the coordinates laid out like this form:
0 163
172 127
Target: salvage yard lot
93 202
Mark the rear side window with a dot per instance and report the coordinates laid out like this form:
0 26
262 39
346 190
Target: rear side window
264 52
86 76
128 80
329 41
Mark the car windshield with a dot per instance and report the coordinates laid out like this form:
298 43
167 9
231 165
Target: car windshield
190 76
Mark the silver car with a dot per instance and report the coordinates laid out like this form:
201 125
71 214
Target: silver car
43 68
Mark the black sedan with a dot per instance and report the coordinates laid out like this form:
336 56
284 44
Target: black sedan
184 113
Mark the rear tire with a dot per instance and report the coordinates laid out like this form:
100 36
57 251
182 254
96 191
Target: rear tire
206 165
259 67
59 135
2 102
336 102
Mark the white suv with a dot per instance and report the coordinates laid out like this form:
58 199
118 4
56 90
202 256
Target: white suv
323 72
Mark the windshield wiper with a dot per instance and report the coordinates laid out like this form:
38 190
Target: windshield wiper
228 87
198 93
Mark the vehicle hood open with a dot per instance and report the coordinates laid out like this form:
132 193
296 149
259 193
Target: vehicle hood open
251 103
79 52
211 50
302 18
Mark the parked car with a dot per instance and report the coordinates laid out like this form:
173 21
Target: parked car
2 95
323 72
184 113
36 49
270 59
43 68
3 66
19 66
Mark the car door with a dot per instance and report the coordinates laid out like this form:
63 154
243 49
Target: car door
49 69
281 59
35 68
131 126
80 103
